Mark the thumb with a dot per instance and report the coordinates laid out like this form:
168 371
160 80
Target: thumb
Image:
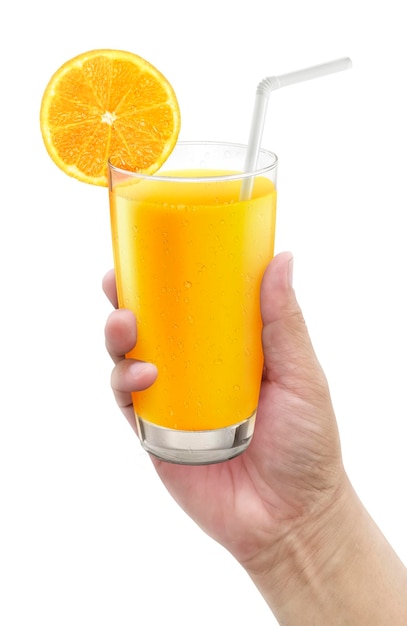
289 357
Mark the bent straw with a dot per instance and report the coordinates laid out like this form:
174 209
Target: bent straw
264 89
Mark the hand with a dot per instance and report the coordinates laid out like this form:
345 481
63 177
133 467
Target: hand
285 507
293 466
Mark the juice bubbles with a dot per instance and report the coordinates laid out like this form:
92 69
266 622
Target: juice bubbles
189 259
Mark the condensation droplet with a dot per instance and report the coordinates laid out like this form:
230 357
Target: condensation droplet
187 284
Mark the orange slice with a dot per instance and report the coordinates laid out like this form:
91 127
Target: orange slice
108 104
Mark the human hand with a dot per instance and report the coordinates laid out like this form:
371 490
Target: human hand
292 468
285 507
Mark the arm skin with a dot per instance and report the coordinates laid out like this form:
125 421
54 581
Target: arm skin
285 508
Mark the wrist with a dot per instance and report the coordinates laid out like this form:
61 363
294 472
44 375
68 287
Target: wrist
333 568
306 553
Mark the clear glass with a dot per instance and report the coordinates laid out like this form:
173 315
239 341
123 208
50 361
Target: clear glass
189 257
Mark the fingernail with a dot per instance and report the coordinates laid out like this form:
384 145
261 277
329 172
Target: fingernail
138 368
290 270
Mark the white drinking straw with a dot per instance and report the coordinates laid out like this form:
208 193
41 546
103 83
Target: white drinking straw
264 89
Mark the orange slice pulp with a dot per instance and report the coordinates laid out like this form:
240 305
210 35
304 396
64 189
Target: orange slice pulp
108 104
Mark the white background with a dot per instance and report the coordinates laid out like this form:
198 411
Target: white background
88 535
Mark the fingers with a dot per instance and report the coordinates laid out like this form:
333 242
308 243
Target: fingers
120 333
276 289
129 376
288 353
109 287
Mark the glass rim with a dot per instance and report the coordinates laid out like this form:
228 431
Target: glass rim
202 179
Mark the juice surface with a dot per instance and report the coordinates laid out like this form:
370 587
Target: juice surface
189 261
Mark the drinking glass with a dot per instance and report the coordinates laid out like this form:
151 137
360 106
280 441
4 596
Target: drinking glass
189 253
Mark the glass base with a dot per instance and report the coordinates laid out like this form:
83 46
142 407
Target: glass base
200 447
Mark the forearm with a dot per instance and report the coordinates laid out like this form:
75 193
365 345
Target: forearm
337 571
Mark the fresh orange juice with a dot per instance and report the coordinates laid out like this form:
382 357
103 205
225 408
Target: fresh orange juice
189 259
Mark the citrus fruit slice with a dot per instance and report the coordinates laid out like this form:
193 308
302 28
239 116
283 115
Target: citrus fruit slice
108 104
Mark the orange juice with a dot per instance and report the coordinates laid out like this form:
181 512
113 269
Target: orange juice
189 260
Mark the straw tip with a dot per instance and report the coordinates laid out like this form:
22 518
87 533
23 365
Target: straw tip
347 62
